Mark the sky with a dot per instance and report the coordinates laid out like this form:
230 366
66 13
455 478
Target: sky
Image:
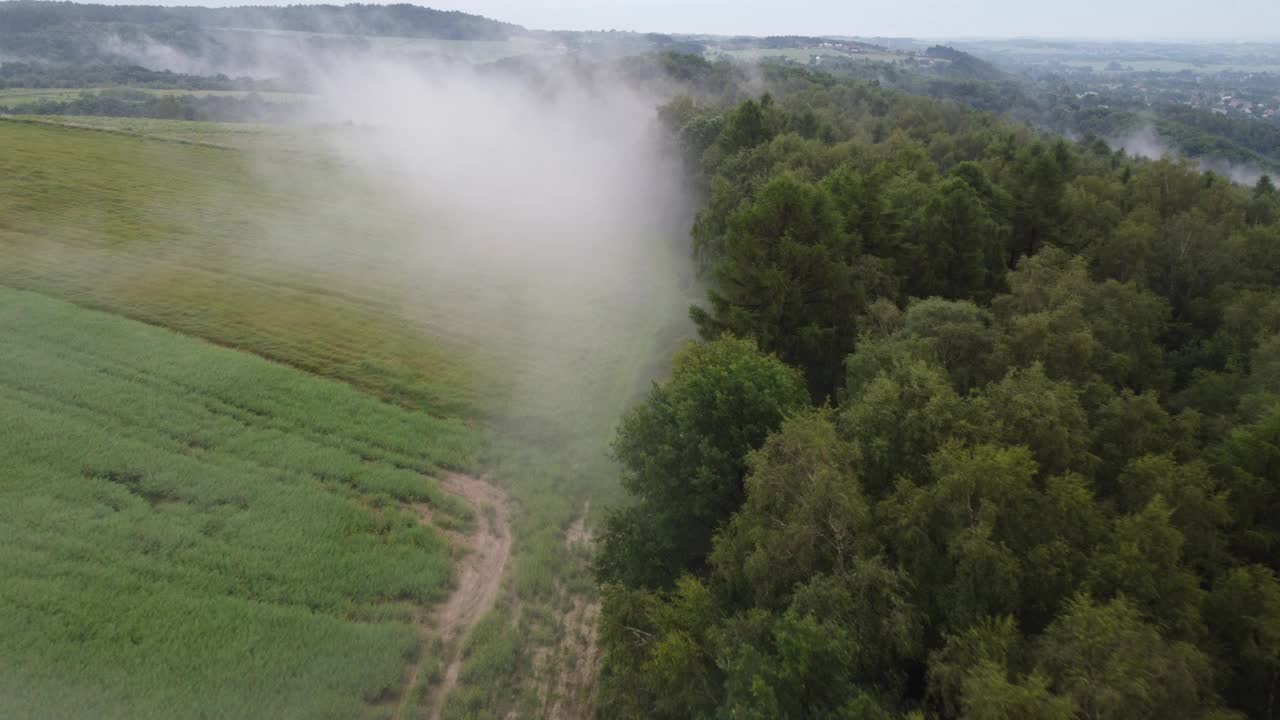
1138 19
1081 19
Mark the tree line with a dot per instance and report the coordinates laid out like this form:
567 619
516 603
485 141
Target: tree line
124 102
53 75
983 424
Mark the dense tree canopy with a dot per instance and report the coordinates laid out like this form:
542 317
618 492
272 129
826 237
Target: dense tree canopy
685 451
1037 470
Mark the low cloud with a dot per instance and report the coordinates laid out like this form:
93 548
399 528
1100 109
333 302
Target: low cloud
1145 142
535 213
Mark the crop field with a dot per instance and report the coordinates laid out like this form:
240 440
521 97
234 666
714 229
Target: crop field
213 237
14 97
327 276
175 235
160 492
256 137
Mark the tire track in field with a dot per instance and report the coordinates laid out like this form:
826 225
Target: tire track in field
479 579
570 687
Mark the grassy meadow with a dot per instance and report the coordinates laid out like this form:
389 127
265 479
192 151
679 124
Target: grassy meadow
193 531
234 136
245 237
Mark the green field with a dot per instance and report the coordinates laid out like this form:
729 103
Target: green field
185 236
251 238
15 97
193 531
241 248
241 136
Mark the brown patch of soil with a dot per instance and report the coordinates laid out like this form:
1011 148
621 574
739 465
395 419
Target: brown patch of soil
569 692
480 574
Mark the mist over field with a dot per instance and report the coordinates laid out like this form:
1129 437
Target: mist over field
521 210
560 185
539 212
532 202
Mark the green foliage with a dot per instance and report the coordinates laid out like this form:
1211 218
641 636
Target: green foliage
1243 613
1251 460
900 418
752 124
1042 415
683 456
989 694
1043 486
789 280
960 246
1112 664
42 75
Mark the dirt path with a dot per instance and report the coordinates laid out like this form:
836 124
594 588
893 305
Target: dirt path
570 691
479 580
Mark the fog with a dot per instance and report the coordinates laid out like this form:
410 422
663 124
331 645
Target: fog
1145 142
533 220
262 54
150 53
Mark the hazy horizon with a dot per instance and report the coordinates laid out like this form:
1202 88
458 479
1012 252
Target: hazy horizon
1178 20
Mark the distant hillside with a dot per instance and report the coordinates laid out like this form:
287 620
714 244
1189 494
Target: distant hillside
21 17
962 65
207 40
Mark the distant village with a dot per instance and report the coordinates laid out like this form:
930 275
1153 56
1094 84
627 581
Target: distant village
1239 107
1251 96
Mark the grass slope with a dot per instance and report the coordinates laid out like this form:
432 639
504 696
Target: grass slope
190 237
191 531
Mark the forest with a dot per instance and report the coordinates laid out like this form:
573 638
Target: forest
1258 137
983 424
1192 132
